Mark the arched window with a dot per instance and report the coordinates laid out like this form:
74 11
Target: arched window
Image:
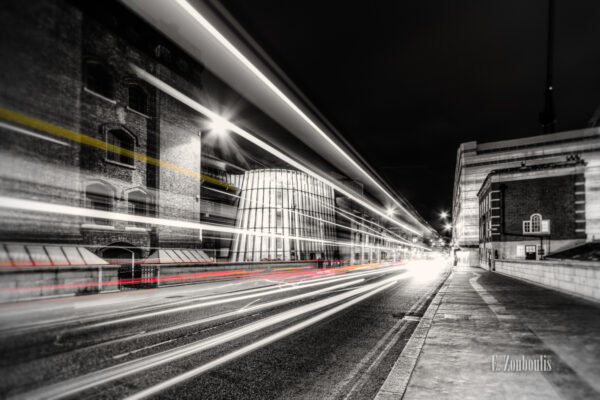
98 79
138 99
99 197
533 225
138 203
121 140
536 223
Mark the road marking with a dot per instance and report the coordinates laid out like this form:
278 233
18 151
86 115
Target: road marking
151 391
118 356
375 352
119 371
396 382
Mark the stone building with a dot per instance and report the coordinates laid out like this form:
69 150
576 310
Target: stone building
476 160
529 212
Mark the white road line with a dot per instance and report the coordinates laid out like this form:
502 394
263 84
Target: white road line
376 353
119 371
252 347
142 349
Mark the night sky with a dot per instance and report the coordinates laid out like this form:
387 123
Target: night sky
407 82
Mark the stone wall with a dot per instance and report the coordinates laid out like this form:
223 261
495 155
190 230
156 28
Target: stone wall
578 278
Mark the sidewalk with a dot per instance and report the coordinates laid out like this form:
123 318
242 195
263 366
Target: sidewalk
479 317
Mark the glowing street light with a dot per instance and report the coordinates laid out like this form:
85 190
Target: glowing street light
448 226
218 126
390 211
444 215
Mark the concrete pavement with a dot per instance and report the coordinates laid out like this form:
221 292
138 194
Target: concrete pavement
489 336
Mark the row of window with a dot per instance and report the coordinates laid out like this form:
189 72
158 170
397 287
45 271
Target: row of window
99 196
100 81
534 225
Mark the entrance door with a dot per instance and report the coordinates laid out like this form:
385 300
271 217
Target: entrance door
530 252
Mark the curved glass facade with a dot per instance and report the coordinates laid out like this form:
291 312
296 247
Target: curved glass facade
296 210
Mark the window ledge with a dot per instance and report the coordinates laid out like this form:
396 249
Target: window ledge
96 226
120 164
90 91
136 229
138 112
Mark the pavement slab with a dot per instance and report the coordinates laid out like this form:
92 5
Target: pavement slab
479 321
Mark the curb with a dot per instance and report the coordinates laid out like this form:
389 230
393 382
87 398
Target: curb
397 380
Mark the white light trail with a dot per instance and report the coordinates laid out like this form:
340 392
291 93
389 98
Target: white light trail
38 206
187 7
246 309
75 385
212 302
33 134
171 91
343 213
151 391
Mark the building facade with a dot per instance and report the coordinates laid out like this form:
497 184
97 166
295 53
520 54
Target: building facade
82 129
298 210
476 160
529 212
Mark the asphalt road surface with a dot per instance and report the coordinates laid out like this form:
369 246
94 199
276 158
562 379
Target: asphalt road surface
294 333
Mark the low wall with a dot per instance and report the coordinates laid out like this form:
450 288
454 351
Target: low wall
25 283
578 278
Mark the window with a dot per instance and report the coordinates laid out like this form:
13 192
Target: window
98 197
138 99
536 224
98 80
530 252
138 204
121 140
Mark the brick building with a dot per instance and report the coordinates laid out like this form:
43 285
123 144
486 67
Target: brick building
476 160
81 129
530 212
68 66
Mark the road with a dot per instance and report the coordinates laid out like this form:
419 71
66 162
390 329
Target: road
302 334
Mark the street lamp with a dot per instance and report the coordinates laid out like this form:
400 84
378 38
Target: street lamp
448 226
444 215
218 126
390 211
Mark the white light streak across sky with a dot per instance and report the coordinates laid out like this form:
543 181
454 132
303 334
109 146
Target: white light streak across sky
176 94
195 14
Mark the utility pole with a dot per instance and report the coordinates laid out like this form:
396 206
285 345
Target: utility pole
548 116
